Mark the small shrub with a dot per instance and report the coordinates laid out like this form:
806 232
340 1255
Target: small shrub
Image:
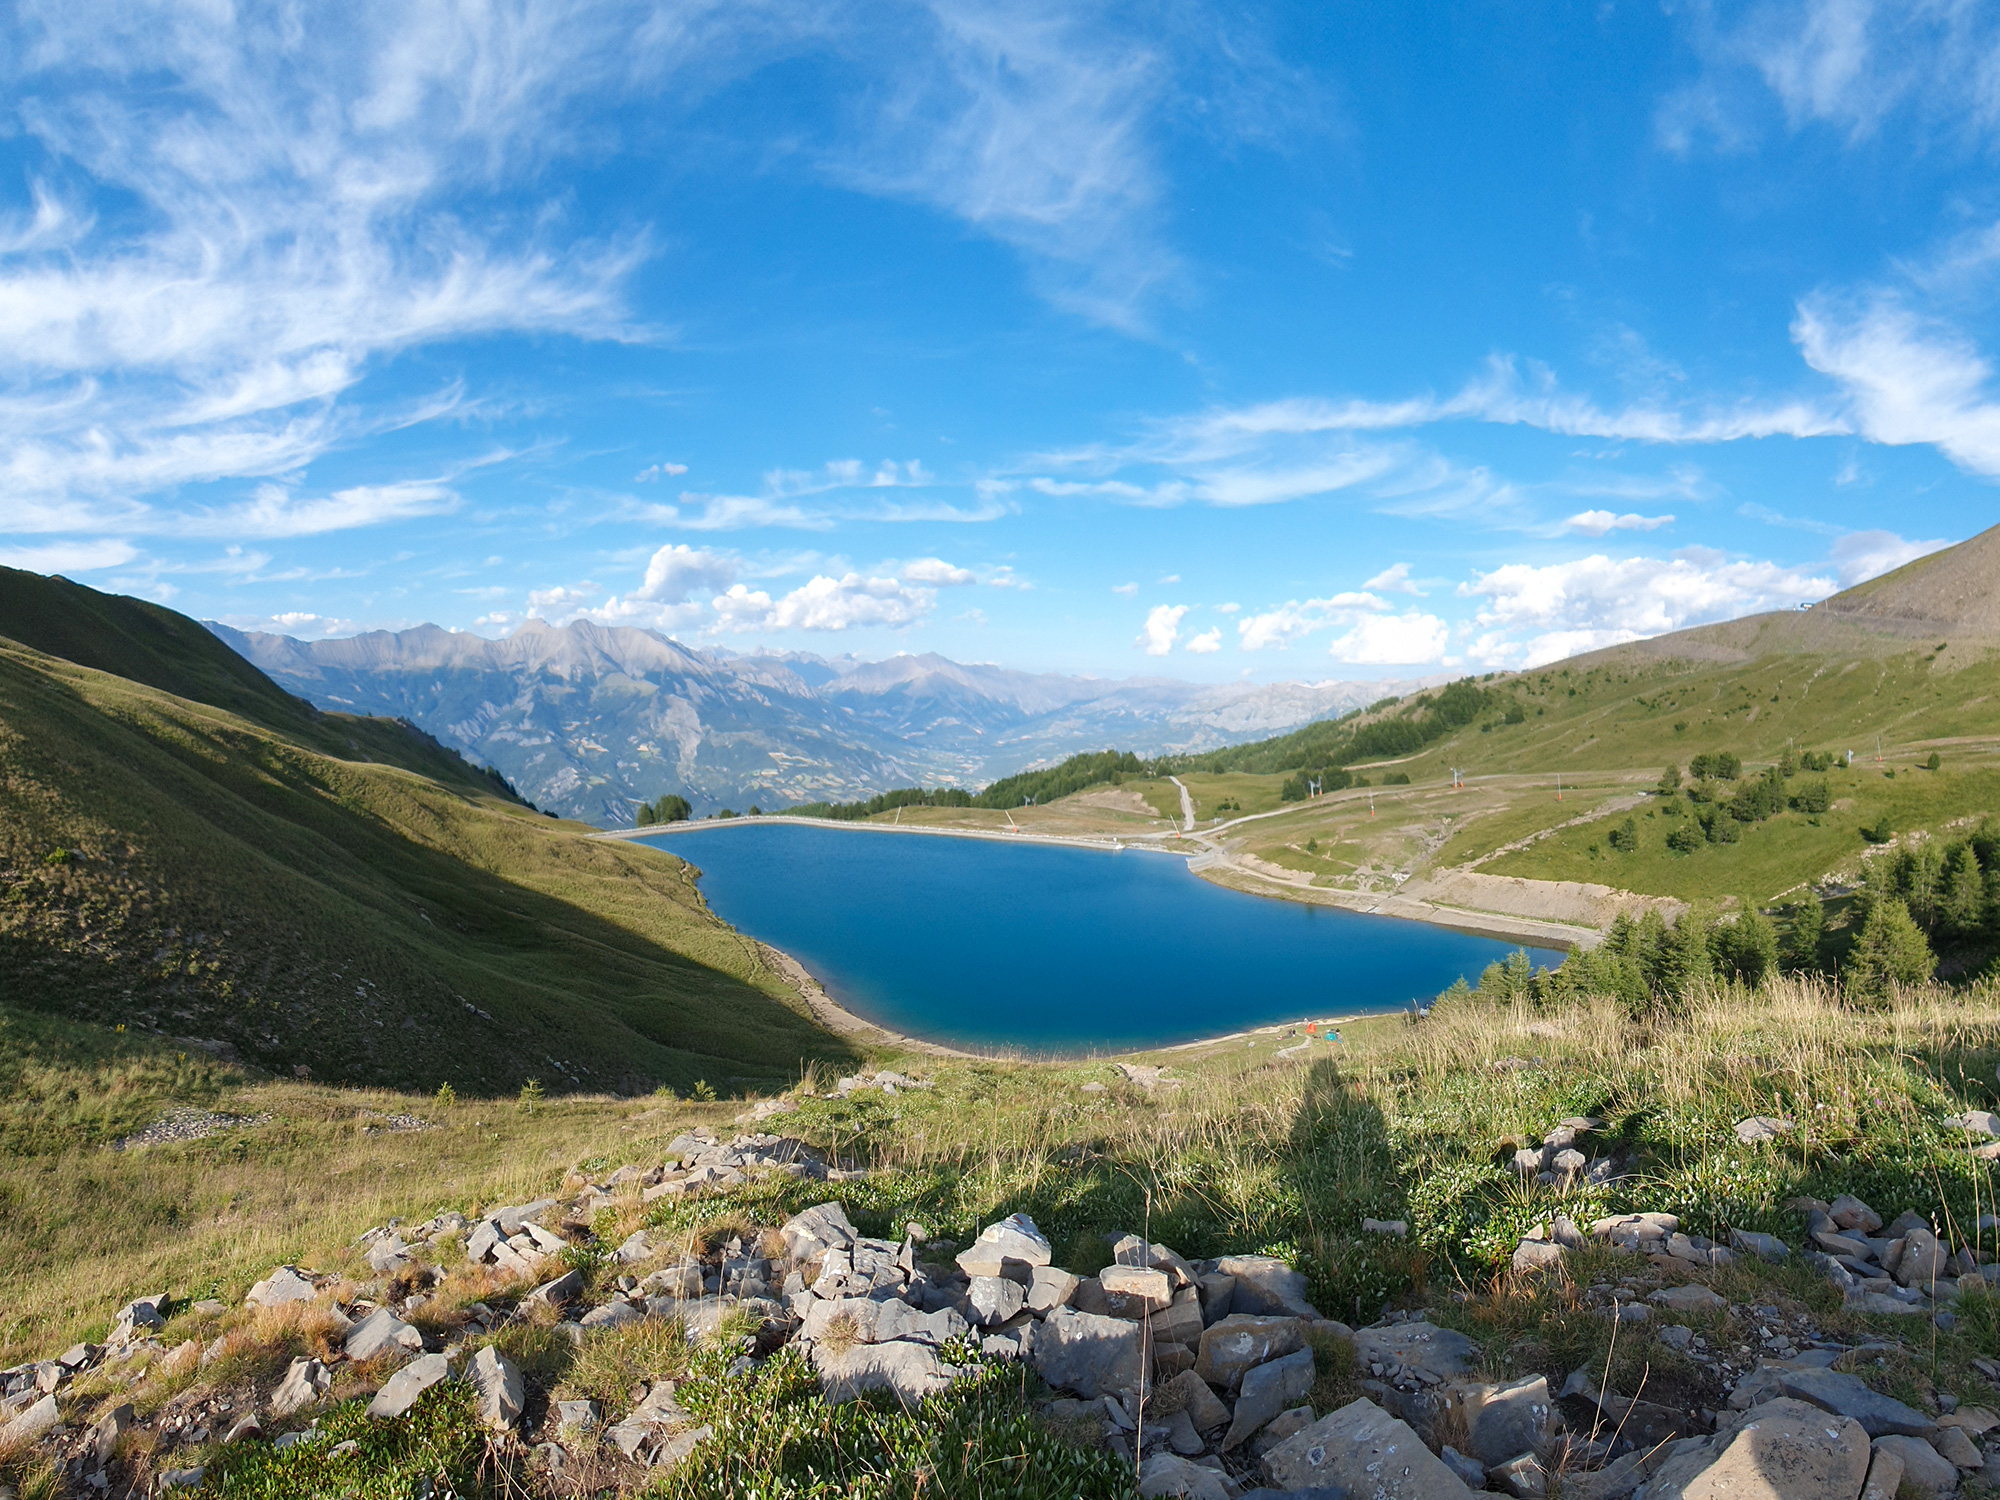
446 1096
703 1091
531 1095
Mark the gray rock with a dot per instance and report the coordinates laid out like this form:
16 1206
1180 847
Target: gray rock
1203 1409
1981 1122
1283 1425
1471 1470
1925 1262
638 1246
1182 1322
1144 1289
1522 1476
1763 1246
1760 1128
1952 1444
1527 1162
820 1228
407 1384
1688 1299
1924 1469
1850 1212
578 1416
181 1479
1170 1474
1786 1450
1269 1389
1090 1355
1013 1247
1848 1396
1504 1421
1218 1296
565 1288
992 1300
244 1429
479 1244
306 1380
1615 1481
496 1383
283 1285
1885 1475
910 1371
513 1220
388 1255
381 1332
1241 1341
1264 1285
1538 1255
1420 1349
102 1442
1050 1287
32 1424
681 1281
613 1314
1363 1451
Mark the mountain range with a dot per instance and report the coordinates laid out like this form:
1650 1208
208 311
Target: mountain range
589 721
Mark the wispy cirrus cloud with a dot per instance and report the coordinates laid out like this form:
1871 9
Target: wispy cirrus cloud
1849 66
302 197
1297 448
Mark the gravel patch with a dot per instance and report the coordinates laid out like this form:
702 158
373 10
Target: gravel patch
186 1125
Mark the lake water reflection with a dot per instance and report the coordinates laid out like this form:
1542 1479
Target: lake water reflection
984 943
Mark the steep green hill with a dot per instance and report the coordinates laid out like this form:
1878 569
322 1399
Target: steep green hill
352 899
144 642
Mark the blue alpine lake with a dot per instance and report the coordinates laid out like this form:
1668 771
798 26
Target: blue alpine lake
983 943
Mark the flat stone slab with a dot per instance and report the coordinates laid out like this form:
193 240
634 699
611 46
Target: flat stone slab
908 1370
1688 1299
379 1333
407 1384
1849 1396
1088 1354
1361 1450
1241 1342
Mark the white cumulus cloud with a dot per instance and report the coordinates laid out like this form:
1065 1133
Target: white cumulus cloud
1162 629
1393 640
1555 610
826 603
938 573
1207 642
1393 580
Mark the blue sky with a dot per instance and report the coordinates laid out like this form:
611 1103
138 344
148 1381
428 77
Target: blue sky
1333 340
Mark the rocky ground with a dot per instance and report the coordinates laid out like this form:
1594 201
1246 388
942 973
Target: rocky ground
1212 1378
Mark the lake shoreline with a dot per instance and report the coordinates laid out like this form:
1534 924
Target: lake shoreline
850 1025
1207 862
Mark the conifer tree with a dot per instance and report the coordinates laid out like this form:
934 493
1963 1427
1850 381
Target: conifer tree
1800 950
1890 950
1964 893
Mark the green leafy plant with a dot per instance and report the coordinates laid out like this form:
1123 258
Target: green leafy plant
531 1095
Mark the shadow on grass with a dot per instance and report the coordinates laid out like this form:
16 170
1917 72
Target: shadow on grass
223 882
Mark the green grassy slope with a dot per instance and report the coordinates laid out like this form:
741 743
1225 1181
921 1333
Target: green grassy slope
171 866
144 642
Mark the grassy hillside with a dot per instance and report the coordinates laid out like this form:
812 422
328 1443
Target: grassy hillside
175 867
1242 1148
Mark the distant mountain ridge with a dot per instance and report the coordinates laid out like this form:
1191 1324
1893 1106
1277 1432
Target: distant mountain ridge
590 720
